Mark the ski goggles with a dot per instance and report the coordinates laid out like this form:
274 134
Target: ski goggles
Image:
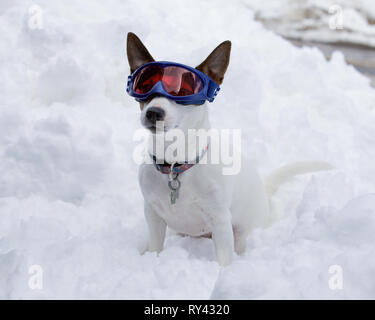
175 81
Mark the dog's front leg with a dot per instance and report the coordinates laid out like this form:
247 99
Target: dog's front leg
222 235
157 228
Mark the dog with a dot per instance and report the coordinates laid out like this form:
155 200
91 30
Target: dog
209 204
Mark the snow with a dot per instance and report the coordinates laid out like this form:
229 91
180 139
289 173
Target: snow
69 198
331 21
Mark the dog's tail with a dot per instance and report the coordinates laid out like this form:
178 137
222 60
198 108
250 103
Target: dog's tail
289 171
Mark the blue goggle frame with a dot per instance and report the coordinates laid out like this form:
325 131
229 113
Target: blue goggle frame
208 92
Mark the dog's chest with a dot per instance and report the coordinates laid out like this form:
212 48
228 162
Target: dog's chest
190 213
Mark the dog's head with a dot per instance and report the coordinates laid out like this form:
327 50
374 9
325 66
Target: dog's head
160 108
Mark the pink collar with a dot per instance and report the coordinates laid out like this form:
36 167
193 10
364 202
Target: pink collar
177 168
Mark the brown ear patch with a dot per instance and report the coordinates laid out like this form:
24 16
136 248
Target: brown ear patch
137 52
217 62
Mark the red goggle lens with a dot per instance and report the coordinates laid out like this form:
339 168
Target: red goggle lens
177 81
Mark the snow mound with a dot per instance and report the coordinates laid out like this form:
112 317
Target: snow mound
69 198
339 21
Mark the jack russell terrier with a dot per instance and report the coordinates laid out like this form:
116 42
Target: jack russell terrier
188 193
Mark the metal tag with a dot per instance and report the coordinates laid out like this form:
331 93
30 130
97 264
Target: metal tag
174 196
174 184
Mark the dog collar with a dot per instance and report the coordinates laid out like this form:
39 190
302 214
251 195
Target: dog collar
176 168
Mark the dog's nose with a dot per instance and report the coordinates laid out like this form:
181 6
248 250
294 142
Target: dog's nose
154 114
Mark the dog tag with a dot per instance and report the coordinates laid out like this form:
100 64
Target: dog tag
174 185
174 196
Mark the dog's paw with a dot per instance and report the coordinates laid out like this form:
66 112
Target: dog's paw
142 247
224 258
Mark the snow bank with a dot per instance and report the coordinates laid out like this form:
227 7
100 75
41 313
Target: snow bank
332 21
69 199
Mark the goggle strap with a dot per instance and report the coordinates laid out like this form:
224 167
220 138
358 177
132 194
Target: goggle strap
212 91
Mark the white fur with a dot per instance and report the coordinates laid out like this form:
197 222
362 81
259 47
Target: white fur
284 173
227 207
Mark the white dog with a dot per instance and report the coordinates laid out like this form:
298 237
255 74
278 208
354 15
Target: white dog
224 207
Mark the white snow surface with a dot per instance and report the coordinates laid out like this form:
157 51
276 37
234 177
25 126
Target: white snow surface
331 21
69 197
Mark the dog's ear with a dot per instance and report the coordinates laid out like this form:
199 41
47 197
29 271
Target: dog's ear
217 62
137 52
